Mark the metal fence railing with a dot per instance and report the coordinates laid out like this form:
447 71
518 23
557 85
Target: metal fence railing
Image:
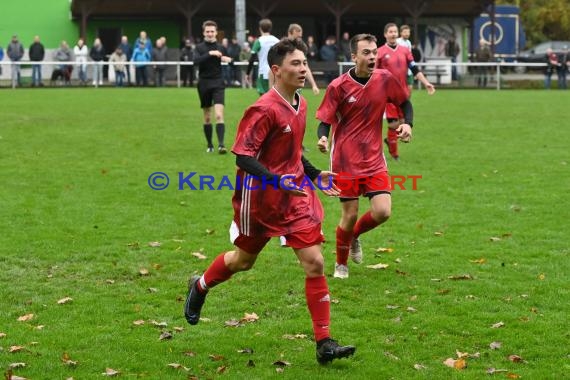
442 73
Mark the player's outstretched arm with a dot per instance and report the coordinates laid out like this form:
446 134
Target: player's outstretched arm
323 134
321 178
429 87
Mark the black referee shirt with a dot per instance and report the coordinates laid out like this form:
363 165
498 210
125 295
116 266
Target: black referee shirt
210 66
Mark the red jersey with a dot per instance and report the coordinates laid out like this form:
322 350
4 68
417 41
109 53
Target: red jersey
355 112
272 131
395 60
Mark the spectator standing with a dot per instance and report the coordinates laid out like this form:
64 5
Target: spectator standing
552 64
329 53
15 52
452 50
37 54
235 71
312 49
81 53
128 52
97 54
159 55
141 58
119 61
143 38
562 69
482 54
63 54
345 47
1 58
187 71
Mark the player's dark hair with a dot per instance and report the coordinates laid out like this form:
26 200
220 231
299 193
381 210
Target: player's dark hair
360 37
265 25
209 23
388 26
286 46
404 27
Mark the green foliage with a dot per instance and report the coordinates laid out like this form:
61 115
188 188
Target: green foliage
544 20
76 217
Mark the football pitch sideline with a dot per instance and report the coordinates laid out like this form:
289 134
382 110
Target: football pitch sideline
94 262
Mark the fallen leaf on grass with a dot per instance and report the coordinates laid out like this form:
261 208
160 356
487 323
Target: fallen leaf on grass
279 369
492 371
67 360
14 349
245 351
152 290
154 244
511 375
443 291
478 261
158 324
541 276
209 231
497 325
2 335
39 327
387 250
10 376
138 322
516 359
250 363
178 329
177 366
221 369
392 307
515 208
249 317
419 367
199 255
495 345
25 318
17 365
411 309
494 238
233 323
143 272
157 266
281 363
64 300
457 364
189 353
165 335
461 277
296 336
110 372
438 233
216 358
378 266
391 355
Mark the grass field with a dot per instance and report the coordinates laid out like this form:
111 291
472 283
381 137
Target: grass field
77 217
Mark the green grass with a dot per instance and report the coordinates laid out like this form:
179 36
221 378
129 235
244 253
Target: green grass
76 212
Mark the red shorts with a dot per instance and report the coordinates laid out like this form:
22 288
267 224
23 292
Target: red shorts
355 187
393 111
299 239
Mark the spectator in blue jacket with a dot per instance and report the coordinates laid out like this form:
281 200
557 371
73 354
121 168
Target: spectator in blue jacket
1 58
141 58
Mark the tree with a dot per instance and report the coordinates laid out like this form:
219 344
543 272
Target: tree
543 19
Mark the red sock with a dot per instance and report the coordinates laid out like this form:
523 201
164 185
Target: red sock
343 239
364 224
318 301
216 273
393 142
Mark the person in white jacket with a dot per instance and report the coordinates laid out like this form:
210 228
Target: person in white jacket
81 53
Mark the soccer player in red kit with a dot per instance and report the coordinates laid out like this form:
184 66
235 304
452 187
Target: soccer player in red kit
272 200
354 105
397 59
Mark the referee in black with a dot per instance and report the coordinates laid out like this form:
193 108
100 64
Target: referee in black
211 89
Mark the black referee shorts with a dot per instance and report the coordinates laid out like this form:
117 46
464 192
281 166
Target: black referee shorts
211 91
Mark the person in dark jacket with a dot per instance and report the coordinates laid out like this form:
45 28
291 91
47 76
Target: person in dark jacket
159 55
15 52
128 52
97 54
187 71
37 54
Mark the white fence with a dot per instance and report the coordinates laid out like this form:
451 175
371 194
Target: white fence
437 71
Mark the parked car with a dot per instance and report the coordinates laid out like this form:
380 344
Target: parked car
538 53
